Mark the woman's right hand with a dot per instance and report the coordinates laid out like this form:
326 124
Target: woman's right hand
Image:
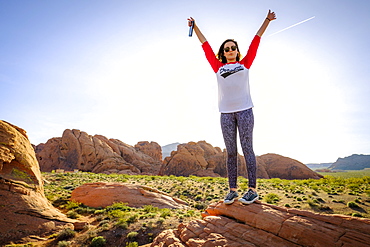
199 34
190 20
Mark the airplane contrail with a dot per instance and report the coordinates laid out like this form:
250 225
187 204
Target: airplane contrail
292 26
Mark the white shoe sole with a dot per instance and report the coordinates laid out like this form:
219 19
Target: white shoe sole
229 202
248 202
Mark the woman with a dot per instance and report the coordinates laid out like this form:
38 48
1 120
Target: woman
235 105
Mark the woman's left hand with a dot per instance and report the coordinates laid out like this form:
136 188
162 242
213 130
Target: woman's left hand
271 15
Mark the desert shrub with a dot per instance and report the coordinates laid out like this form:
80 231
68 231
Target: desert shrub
72 204
287 205
367 192
118 206
165 212
313 203
132 218
64 243
66 233
122 223
150 209
357 215
132 244
271 198
98 241
352 205
200 206
198 198
116 213
72 214
132 235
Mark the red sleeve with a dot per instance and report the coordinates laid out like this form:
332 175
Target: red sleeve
252 51
210 55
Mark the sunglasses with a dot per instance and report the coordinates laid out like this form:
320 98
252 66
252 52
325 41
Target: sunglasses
227 49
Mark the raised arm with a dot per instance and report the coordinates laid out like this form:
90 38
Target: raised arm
270 17
199 34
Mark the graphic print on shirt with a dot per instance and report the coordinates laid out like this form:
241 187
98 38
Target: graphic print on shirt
225 72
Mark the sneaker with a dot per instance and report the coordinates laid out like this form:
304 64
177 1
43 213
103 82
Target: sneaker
230 197
249 197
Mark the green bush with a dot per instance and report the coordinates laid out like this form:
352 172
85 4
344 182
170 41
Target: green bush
72 214
66 233
165 212
99 241
352 205
132 244
271 198
132 235
64 243
150 209
72 204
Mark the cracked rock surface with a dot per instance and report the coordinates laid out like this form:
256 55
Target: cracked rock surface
261 224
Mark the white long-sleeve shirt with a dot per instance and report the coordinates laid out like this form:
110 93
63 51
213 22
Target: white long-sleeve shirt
233 79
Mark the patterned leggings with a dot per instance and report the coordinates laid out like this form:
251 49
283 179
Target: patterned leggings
244 122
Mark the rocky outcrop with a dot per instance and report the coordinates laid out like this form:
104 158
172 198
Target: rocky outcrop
262 224
152 149
105 194
24 207
78 150
202 159
198 159
277 166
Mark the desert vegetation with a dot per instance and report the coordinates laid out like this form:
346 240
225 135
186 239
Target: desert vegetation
121 225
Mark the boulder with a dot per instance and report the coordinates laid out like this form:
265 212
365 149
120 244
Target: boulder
24 208
202 159
261 224
151 149
78 150
198 159
277 166
105 194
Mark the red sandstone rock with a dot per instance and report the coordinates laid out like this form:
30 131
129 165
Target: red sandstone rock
152 149
24 207
198 159
105 194
277 166
202 159
78 150
262 224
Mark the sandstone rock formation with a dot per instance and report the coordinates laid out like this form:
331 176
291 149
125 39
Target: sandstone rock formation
105 194
78 150
202 159
24 207
277 166
262 224
198 159
152 149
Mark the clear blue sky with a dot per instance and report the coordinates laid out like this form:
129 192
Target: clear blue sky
128 70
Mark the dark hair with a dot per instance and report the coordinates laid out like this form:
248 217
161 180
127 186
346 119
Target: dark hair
220 54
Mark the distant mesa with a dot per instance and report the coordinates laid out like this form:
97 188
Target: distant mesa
353 162
167 149
318 166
